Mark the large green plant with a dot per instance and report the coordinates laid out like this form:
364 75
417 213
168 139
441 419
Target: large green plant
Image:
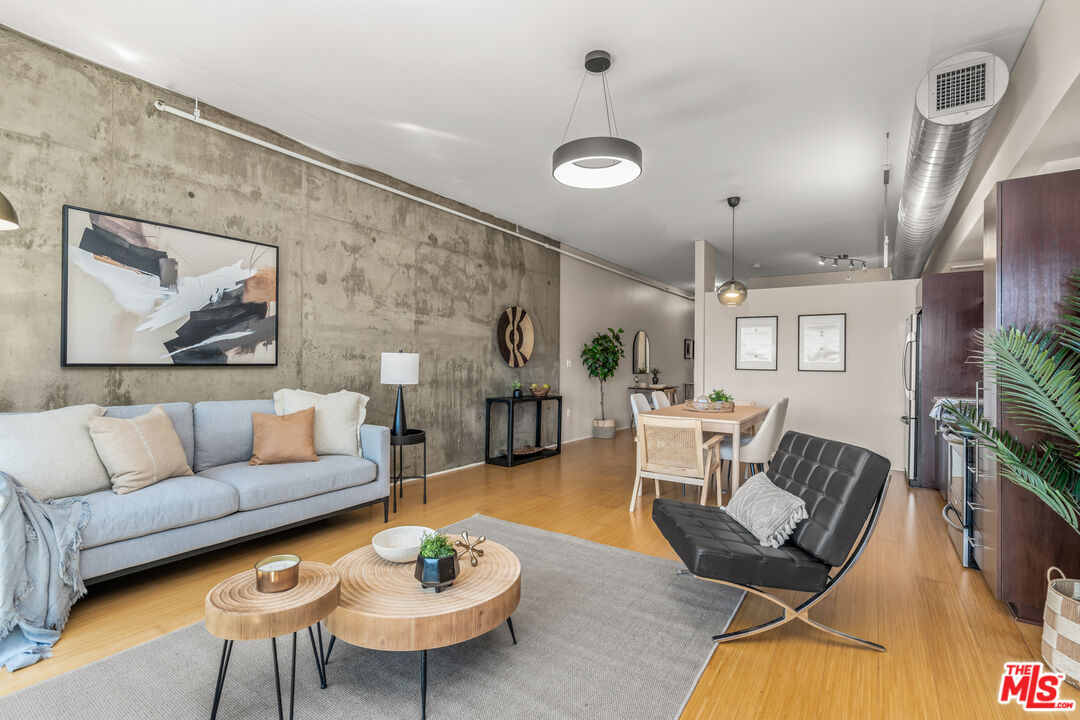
601 358
1037 373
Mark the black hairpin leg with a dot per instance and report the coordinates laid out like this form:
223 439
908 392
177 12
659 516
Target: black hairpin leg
277 679
423 685
329 649
510 624
223 666
318 656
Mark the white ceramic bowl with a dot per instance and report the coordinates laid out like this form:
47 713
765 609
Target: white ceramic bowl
399 544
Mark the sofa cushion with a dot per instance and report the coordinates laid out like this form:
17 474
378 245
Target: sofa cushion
283 438
51 452
262 485
223 432
712 544
168 504
139 451
180 415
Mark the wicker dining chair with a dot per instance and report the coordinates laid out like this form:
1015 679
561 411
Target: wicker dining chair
674 450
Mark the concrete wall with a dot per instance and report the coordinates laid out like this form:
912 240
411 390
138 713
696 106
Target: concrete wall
594 299
862 405
361 271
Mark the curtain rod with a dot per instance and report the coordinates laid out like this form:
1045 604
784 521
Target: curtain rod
197 118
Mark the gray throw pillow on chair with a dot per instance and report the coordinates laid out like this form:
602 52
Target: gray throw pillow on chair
768 512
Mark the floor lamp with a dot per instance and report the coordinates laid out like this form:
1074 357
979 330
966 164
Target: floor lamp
400 368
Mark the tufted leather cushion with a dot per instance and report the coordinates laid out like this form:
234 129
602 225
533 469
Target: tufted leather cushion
839 483
712 544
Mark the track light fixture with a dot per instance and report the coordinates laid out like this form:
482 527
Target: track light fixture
852 263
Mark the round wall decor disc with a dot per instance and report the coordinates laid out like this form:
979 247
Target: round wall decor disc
515 336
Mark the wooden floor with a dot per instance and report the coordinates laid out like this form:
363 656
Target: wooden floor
947 637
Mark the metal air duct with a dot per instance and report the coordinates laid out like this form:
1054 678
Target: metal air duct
954 105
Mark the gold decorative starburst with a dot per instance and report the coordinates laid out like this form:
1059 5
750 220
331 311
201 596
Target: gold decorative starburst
468 547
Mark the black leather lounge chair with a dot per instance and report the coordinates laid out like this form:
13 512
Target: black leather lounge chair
844 488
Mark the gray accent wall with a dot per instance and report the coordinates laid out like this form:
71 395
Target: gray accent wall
361 271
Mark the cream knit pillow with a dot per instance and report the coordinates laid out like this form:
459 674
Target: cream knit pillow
338 417
139 451
51 453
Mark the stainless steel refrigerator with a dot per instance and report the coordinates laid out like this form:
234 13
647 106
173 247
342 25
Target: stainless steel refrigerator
911 367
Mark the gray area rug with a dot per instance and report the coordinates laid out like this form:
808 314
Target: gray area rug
602 633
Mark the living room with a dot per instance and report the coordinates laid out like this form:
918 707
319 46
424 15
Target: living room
552 362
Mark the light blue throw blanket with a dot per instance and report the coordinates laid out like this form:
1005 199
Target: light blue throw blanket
39 571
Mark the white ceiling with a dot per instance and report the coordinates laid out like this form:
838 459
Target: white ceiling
785 103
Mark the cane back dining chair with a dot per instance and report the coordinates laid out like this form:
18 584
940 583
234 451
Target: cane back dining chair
674 450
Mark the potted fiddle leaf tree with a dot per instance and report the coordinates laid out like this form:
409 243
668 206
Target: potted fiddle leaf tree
601 359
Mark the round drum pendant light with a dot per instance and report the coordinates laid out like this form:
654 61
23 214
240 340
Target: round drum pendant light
732 293
602 161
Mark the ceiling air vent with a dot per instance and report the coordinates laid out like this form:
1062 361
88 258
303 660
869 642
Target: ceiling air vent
957 88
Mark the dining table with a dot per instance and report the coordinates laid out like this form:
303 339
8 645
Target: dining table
734 423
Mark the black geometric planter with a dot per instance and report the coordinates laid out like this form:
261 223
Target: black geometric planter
436 573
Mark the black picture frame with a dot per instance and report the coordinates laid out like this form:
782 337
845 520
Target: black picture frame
65 287
688 349
775 342
843 343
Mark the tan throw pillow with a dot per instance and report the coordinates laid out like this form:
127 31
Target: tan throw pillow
139 451
338 417
283 438
51 453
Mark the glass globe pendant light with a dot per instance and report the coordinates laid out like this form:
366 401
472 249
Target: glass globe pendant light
732 293
602 161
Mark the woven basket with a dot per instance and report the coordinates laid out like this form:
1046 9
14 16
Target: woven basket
709 406
1061 626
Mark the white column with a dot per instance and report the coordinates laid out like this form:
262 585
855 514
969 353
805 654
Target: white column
704 303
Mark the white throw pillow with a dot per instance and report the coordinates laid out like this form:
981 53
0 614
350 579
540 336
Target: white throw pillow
51 452
338 417
767 511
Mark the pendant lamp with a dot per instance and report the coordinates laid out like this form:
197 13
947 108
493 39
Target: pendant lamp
8 219
732 293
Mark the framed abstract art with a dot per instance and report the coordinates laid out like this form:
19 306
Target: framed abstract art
755 343
139 293
823 343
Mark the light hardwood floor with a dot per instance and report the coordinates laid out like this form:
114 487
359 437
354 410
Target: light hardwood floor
947 637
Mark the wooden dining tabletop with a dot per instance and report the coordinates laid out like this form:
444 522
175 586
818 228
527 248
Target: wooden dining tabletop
743 417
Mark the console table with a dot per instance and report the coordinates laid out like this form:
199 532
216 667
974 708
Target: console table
508 459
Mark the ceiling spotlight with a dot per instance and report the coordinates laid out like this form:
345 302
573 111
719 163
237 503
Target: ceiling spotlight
851 264
601 161
834 262
821 260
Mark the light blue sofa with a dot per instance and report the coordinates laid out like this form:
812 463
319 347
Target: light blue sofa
227 500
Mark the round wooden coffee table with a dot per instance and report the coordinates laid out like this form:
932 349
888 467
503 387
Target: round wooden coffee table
383 607
235 610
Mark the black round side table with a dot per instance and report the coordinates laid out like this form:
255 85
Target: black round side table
411 437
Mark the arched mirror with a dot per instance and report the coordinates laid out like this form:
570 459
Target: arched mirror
641 352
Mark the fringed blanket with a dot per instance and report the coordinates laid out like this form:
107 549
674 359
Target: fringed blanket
39 571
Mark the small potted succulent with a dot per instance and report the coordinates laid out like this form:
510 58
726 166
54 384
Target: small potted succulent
515 385
655 375
437 563
539 390
722 401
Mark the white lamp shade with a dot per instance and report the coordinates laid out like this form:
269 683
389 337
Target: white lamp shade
400 368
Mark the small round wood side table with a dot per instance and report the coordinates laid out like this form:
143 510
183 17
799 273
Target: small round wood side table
383 607
235 610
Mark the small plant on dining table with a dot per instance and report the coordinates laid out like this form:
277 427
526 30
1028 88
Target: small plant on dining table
720 396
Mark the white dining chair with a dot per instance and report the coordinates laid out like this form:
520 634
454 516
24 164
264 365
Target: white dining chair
660 399
758 449
638 404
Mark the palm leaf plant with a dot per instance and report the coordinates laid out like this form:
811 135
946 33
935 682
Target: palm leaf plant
1037 373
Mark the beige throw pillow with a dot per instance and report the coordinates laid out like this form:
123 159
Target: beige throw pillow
51 453
769 512
338 417
283 438
139 451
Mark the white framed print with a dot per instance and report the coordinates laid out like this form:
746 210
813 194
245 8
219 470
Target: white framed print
823 343
755 343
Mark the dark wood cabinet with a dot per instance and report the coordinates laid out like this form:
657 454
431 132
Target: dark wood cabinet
952 314
1031 243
